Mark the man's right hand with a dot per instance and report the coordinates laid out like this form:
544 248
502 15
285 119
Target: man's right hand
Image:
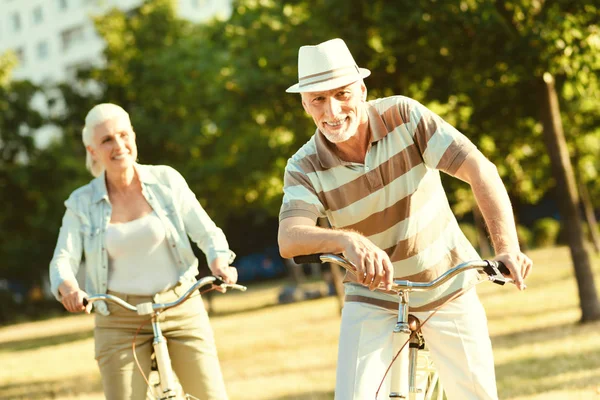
373 264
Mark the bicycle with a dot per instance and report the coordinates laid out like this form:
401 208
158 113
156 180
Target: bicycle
165 385
413 374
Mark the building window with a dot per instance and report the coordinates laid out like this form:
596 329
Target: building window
38 16
198 3
71 71
71 37
20 52
63 4
42 50
16 22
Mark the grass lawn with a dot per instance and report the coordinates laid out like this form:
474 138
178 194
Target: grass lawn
285 352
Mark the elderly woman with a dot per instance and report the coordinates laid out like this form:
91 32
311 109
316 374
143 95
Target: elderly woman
131 223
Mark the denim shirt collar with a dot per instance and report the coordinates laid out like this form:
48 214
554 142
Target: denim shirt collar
99 183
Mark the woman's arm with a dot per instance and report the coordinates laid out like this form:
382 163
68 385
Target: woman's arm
203 231
65 264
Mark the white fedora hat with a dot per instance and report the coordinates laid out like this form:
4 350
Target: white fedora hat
326 66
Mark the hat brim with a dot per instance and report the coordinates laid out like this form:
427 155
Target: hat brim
329 84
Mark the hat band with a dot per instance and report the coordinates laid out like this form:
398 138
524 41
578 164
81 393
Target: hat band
328 75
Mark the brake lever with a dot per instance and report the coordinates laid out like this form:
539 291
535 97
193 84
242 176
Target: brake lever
495 271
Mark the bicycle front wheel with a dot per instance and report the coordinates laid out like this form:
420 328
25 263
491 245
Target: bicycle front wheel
428 378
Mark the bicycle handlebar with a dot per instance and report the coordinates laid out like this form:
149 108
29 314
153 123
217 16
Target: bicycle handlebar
148 308
495 271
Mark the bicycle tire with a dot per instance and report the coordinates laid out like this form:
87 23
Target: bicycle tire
432 388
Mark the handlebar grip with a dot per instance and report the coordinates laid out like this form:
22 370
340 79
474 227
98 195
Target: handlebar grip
498 272
308 259
503 268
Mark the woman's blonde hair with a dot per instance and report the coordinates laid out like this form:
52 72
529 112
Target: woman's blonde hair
97 115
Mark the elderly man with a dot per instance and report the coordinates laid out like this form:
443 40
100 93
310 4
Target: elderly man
372 168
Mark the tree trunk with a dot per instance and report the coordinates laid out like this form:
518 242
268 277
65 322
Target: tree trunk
590 217
568 200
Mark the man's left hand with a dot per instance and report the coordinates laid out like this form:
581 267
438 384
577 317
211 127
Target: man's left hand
519 266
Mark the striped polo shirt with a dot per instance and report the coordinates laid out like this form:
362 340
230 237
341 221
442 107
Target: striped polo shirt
395 198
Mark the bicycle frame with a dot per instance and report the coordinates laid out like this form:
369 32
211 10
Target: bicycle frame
406 342
168 384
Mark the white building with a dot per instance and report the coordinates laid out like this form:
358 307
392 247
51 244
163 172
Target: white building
52 37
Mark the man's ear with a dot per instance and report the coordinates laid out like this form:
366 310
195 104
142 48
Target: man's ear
304 104
363 90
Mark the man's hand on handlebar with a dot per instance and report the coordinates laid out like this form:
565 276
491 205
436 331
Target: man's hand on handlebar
519 266
373 266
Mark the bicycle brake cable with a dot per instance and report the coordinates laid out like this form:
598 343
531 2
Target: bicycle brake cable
451 298
137 362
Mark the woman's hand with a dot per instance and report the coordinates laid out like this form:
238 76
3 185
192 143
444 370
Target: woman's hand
72 297
221 268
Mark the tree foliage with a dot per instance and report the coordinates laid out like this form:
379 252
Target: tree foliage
209 99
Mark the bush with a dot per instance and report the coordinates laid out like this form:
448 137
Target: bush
545 232
525 237
470 232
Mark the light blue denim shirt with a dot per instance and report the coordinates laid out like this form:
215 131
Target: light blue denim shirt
88 214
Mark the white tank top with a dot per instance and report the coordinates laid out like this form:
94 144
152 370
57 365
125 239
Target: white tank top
140 262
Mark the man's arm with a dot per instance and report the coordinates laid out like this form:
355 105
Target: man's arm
494 203
299 236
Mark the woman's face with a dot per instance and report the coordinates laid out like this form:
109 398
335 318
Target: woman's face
114 144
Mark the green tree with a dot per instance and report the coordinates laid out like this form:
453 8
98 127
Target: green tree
34 181
18 122
492 57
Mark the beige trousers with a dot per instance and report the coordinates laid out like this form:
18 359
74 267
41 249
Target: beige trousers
458 341
190 341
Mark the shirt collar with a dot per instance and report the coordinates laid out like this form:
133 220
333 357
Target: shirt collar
99 184
325 153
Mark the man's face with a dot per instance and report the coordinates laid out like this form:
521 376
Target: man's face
337 112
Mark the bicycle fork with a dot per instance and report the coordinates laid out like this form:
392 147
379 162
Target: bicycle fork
404 370
163 361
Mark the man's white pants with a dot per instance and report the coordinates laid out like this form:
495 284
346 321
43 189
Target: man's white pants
457 337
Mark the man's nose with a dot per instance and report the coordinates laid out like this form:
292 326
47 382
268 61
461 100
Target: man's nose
333 107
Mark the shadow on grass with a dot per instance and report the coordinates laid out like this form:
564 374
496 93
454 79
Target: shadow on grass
36 343
308 396
51 389
260 307
538 335
535 374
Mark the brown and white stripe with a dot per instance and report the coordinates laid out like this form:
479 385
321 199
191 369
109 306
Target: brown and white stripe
396 198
